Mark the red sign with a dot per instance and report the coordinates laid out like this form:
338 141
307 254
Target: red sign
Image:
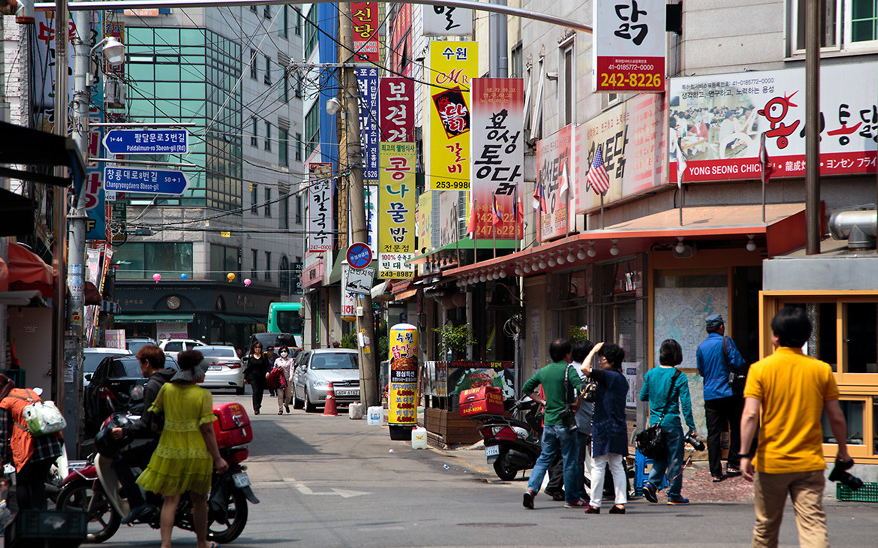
366 25
359 256
396 111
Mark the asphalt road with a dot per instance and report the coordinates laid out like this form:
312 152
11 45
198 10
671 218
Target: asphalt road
329 482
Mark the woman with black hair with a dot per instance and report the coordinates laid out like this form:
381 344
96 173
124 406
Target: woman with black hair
609 430
258 367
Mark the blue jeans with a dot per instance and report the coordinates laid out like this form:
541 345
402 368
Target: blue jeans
556 438
672 462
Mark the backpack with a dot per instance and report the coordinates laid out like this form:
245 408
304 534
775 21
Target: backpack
40 417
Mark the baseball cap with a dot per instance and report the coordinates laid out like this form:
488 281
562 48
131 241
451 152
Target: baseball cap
713 321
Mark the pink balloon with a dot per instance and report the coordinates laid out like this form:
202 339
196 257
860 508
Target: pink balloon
156 277
247 282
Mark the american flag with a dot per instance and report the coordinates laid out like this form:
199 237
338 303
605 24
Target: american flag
597 174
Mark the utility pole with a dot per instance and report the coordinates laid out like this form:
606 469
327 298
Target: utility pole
349 98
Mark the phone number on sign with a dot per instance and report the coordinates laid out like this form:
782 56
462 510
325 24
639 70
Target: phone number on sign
632 80
451 185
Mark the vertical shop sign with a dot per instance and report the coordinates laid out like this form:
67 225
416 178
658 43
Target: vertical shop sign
367 82
453 65
320 213
447 21
396 219
403 375
397 110
366 23
371 216
348 298
554 172
497 162
629 45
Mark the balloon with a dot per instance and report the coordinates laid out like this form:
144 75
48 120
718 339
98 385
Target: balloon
247 282
156 277
183 276
230 276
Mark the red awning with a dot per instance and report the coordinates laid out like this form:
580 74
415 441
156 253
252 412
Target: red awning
27 271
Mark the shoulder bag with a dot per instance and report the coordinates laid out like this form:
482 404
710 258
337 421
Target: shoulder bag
650 441
737 379
568 416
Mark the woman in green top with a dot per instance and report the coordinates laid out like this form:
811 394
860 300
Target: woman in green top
187 450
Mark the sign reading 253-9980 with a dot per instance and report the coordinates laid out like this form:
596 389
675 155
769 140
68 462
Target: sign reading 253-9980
629 45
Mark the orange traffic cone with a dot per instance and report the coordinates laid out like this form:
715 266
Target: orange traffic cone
329 410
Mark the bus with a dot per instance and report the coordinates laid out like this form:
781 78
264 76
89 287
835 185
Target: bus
286 318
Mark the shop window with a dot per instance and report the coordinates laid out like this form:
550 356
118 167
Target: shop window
823 343
853 411
861 337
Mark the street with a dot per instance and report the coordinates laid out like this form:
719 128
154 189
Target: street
335 482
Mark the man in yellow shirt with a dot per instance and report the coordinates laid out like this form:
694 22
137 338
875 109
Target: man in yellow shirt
787 393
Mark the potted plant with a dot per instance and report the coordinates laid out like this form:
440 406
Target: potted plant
454 340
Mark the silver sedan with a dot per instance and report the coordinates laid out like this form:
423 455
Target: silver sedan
315 369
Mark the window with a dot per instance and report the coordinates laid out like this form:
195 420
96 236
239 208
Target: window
254 264
268 136
284 205
253 8
267 78
312 128
298 78
516 62
284 21
283 148
254 197
254 132
298 147
285 88
268 202
299 208
284 275
267 266
267 12
848 25
254 70
567 79
140 260
310 38
298 28
224 260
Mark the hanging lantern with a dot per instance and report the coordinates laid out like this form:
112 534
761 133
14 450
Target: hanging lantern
156 277
230 276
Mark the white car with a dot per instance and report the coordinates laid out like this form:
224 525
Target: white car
226 370
174 346
93 357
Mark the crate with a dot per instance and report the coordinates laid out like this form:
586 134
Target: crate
55 528
867 493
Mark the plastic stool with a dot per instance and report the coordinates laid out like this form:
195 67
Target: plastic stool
640 476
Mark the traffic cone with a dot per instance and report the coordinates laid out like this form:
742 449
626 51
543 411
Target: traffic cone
329 410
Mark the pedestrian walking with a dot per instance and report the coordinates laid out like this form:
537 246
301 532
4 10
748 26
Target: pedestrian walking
717 356
271 357
254 374
609 429
666 389
787 394
187 451
284 362
582 350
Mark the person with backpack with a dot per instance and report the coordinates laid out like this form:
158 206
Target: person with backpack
32 455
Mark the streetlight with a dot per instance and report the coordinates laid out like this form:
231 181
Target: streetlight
114 50
333 106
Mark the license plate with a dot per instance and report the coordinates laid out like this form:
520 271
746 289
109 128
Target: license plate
492 450
347 392
214 368
241 479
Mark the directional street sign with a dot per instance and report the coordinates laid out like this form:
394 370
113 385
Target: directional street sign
147 141
359 255
146 181
360 280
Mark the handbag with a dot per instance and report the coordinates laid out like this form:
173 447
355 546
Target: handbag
41 417
568 416
589 391
650 441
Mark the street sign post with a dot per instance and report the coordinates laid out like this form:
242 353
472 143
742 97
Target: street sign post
143 141
360 280
144 181
359 256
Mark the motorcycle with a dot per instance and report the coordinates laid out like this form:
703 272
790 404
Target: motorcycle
512 444
96 489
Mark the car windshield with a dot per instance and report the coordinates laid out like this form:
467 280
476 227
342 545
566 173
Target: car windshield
92 360
174 347
334 361
135 346
218 351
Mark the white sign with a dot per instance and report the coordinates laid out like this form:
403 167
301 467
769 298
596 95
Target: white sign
447 21
348 298
360 280
320 214
629 45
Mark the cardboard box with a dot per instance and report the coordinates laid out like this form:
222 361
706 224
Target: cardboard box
481 400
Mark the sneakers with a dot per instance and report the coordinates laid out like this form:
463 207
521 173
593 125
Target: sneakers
732 472
579 503
556 494
280 412
650 493
679 499
592 510
528 501
136 513
716 479
287 407
617 509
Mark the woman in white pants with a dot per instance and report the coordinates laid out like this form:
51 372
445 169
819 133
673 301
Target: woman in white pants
609 432
285 362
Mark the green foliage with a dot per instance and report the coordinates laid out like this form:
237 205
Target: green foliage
455 339
349 340
383 340
577 333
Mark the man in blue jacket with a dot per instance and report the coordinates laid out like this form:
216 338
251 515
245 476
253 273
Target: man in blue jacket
717 356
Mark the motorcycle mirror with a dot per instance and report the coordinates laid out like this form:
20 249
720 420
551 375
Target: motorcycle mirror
137 393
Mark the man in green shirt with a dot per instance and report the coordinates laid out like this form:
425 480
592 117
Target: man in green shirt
556 437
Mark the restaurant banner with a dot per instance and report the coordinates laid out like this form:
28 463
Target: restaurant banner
447 21
320 217
396 219
424 221
366 22
497 163
397 109
453 65
449 217
716 122
554 180
367 83
632 140
629 45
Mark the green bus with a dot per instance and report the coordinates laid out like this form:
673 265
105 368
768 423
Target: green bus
286 318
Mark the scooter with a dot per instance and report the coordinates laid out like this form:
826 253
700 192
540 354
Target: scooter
512 444
97 490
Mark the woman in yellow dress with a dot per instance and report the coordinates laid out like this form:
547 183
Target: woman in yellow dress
187 450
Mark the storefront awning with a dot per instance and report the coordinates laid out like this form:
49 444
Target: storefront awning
465 243
153 318
782 231
239 319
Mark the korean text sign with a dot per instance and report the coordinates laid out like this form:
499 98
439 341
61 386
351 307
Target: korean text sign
629 45
403 375
453 65
367 82
497 163
396 210
397 110
554 180
447 21
366 22
716 122
320 211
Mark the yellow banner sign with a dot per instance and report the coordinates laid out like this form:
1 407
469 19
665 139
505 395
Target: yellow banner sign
396 210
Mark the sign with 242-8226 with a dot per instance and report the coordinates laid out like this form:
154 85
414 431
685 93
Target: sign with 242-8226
629 45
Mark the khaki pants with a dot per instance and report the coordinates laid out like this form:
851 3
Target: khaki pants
283 396
806 491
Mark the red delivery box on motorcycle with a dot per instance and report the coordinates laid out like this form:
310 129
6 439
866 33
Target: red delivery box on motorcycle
481 400
232 427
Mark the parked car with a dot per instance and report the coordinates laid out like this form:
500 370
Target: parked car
93 356
226 370
134 344
172 347
315 369
110 389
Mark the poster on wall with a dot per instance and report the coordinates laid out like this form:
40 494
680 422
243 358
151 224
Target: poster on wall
716 122
680 313
463 375
396 219
554 178
171 330
629 45
447 21
320 215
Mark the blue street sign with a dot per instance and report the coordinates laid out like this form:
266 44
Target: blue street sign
147 181
147 141
359 256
